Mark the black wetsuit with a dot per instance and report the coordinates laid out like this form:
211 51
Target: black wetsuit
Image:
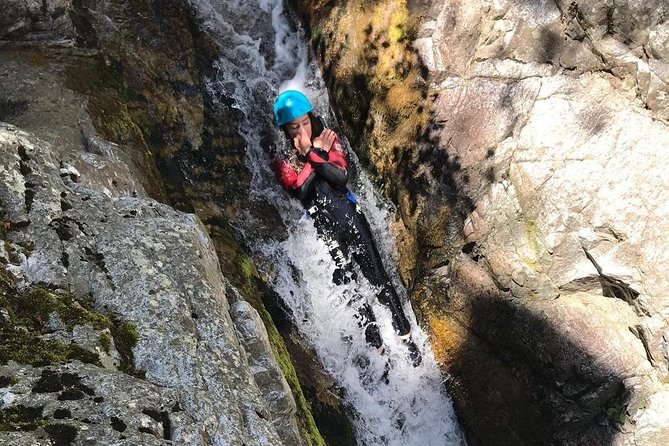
321 187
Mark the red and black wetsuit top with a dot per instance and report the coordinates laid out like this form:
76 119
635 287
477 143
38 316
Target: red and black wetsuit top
321 180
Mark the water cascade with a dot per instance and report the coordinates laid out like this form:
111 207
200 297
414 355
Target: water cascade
393 402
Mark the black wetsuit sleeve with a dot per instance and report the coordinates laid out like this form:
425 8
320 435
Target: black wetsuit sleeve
334 175
303 192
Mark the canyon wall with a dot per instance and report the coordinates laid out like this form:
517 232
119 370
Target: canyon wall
523 143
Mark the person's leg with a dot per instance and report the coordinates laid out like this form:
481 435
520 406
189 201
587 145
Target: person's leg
366 320
366 254
333 234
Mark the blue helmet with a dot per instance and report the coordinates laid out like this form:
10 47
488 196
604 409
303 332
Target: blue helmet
289 105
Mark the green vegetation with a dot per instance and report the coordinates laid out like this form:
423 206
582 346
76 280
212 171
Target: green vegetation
25 315
27 348
37 304
106 341
305 418
21 418
246 267
617 414
7 381
125 338
316 34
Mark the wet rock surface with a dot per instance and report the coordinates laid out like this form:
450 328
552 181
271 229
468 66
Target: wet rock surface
148 265
83 404
524 152
118 92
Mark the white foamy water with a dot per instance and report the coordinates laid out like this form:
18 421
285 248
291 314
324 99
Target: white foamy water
266 53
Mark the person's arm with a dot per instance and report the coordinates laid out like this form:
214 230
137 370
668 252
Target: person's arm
334 173
330 164
300 184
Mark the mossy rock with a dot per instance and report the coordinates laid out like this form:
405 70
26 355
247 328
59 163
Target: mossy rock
26 314
8 381
21 418
242 273
27 348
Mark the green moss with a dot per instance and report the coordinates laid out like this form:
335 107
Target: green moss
617 414
6 282
29 312
304 416
7 381
21 418
316 34
246 267
38 303
241 272
106 341
125 339
18 344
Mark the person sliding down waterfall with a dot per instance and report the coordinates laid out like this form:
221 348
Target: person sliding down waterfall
321 187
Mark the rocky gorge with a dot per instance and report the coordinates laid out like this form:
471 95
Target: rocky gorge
521 141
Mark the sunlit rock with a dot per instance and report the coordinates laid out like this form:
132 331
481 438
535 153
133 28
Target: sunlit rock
151 266
537 177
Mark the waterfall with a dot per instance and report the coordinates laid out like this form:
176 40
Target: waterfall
265 52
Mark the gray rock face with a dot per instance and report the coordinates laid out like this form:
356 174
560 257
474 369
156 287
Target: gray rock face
152 266
554 120
266 371
79 75
92 405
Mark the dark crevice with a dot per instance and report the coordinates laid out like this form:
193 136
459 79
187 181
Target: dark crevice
65 206
640 332
118 424
616 288
471 250
164 419
71 394
29 195
24 168
60 414
17 225
99 260
69 384
61 228
50 381
23 153
61 434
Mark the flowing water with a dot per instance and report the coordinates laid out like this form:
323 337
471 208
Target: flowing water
266 53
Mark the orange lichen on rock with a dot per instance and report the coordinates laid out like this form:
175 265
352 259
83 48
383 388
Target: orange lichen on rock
445 338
